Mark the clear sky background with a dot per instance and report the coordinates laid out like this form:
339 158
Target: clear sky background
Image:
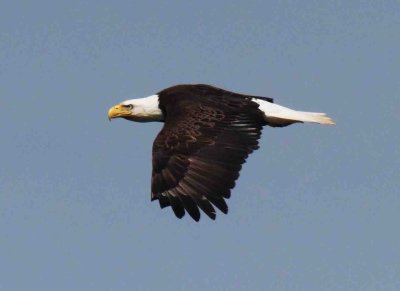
316 208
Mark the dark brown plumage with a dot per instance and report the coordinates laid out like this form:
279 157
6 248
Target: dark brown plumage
207 135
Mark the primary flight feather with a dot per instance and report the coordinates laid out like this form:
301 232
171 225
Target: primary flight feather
208 133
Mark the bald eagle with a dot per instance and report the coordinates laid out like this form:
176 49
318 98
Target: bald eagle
207 135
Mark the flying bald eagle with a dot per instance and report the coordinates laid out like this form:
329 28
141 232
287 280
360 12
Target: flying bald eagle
208 133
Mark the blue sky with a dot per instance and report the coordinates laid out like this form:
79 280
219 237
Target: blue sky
316 208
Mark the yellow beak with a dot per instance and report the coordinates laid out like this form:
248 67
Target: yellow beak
118 111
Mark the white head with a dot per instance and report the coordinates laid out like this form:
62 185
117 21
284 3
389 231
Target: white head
141 110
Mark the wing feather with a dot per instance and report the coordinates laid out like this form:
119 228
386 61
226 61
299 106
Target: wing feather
198 154
176 205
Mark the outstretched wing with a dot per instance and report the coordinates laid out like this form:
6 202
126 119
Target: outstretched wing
199 152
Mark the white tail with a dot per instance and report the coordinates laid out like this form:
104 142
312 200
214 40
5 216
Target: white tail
277 115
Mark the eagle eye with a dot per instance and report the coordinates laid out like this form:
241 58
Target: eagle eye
129 106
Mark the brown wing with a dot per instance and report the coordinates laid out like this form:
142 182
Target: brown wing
199 152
